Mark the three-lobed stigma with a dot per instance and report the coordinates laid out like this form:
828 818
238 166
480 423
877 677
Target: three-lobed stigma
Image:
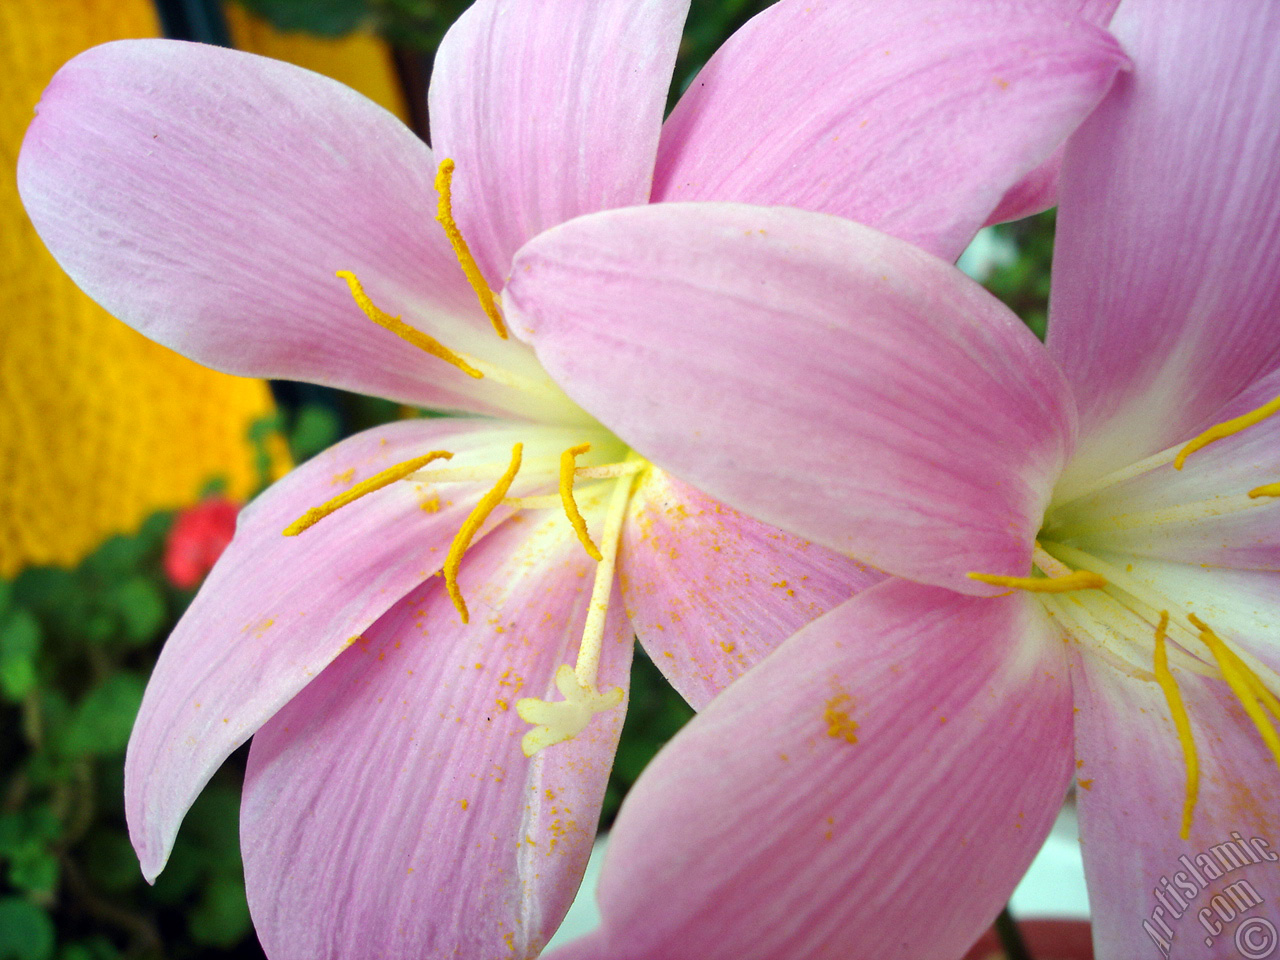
561 720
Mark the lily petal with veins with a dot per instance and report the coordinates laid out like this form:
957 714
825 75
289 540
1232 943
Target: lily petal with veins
431 753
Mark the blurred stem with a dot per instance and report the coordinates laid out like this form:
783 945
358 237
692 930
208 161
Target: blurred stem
33 721
1015 948
80 815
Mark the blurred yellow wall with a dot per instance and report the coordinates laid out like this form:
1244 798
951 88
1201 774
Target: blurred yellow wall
99 427
360 60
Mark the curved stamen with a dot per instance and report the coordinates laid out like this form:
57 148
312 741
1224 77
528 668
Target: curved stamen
402 330
1246 685
570 505
1266 490
1181 722
376 482
1227 429
474 520
444 214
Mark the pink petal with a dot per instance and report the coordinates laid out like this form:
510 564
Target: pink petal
814 373
207 197
875 788
276 610
710 592
1166 299
550 110
1038 190
913 117
389 811
1134 774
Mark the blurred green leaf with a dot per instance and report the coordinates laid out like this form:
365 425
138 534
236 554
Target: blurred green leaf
315 429
214 825
140 603
221 918
45 588
181 875
116 559
26 932
101 722
216 487
33 869
110 862
326 18
97 948
19 647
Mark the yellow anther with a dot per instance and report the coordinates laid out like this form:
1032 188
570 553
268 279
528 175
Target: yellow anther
1266 490
474 521
1246 685
1226 429
402 329
1079 580
444 214
376 482
1181 722
567 467
561 720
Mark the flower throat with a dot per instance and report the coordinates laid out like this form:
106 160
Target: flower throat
553 721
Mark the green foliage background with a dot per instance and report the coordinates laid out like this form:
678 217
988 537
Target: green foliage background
76 647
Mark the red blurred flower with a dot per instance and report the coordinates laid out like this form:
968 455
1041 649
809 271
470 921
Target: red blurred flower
197 538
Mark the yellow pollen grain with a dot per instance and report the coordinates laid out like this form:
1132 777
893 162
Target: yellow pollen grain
839 724
567 467
1226 429
444 214
1245 684
472 524
1181 722
1079 580
402 329
1266 490
376 482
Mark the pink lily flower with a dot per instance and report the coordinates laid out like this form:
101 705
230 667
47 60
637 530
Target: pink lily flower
429 757
1083 539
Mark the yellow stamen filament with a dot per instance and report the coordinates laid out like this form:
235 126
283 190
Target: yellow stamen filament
570 505
1181 722
607 471
1050 565
588 662
1245 684
1226 429
379 480
543 501
471 525
565 719
1267 490
444 214
1080 580
402 329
